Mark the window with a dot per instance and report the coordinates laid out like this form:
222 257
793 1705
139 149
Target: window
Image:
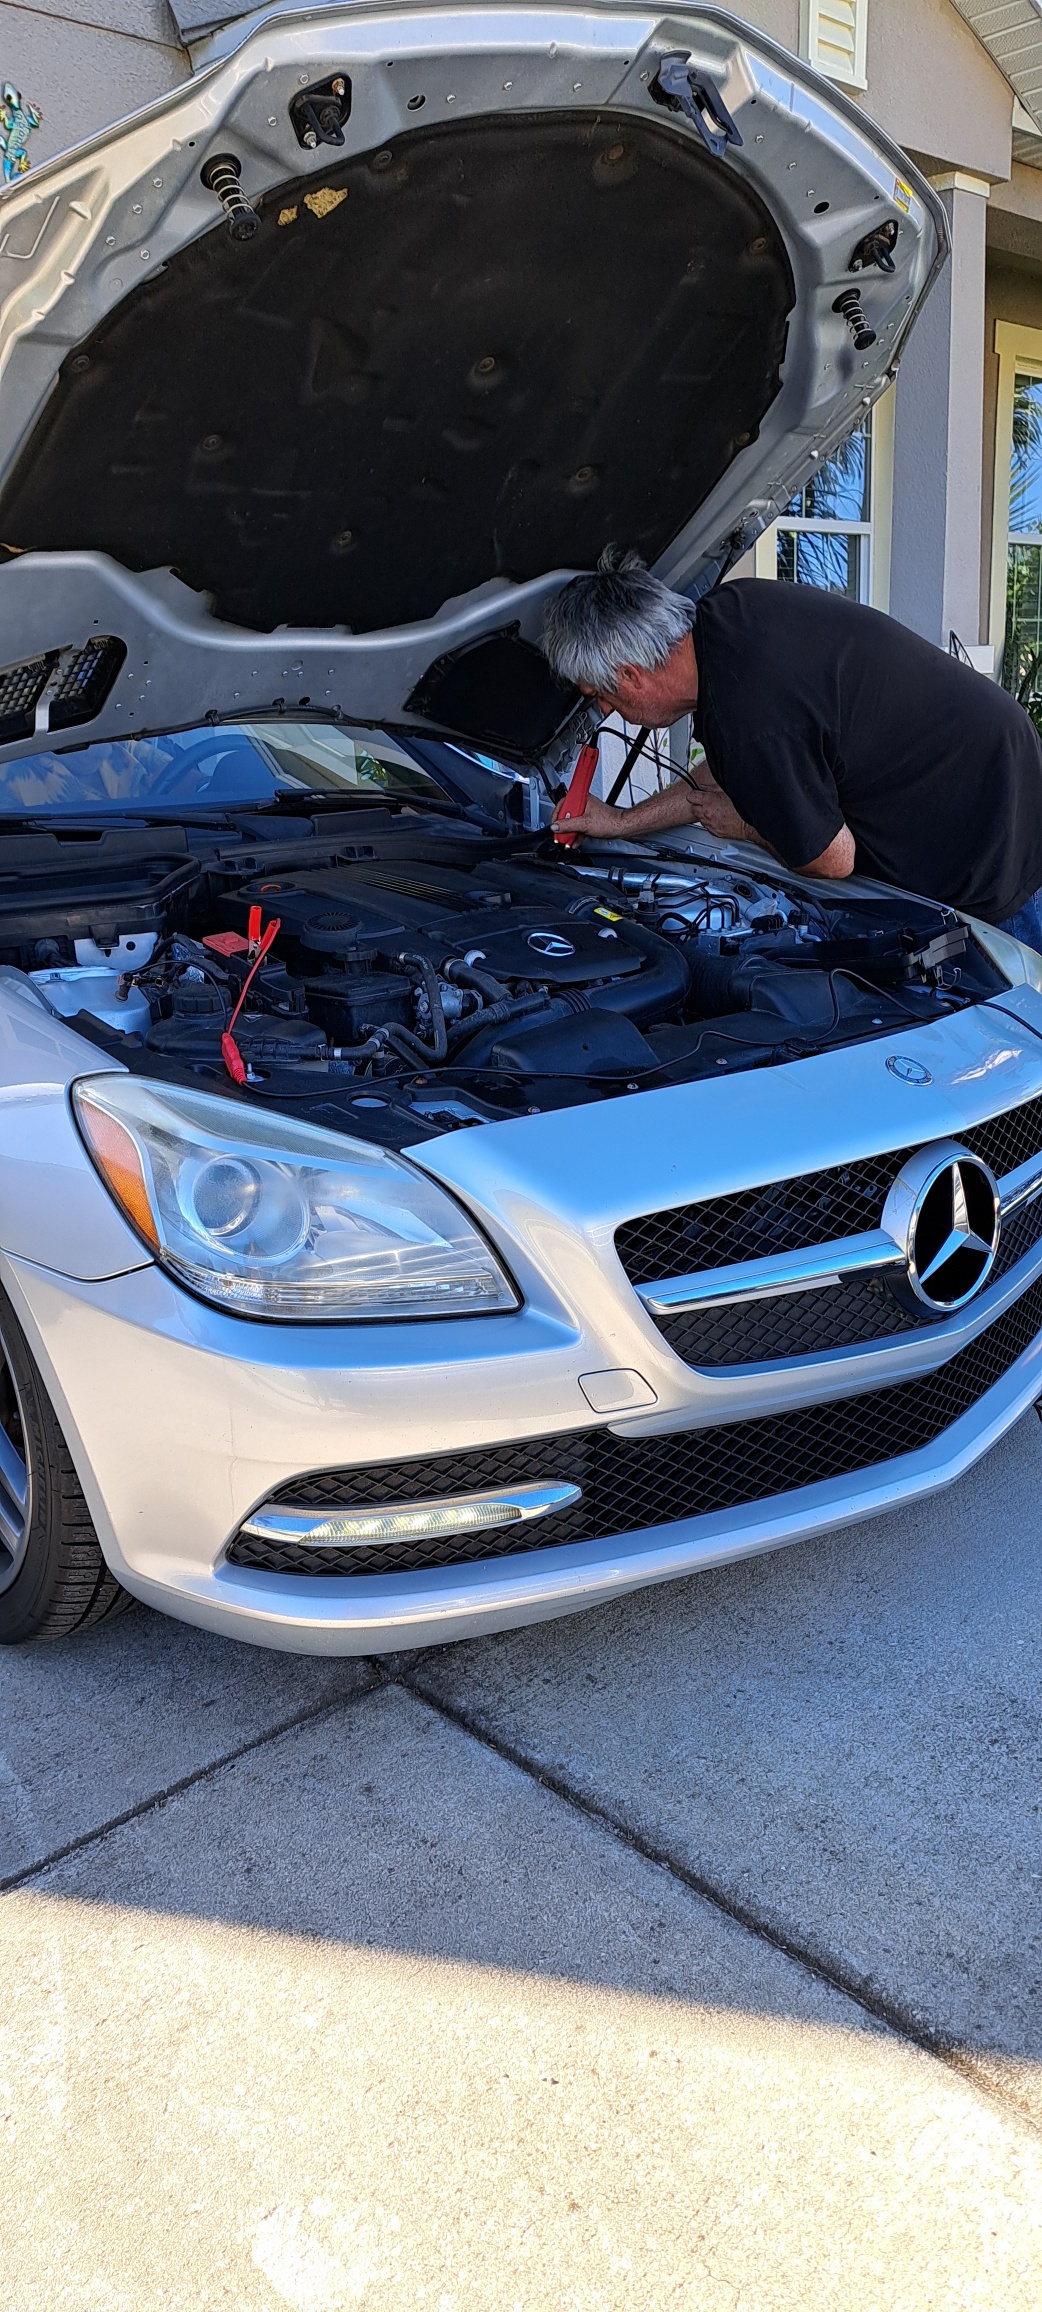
833 37
825 534
1016 564
1022 642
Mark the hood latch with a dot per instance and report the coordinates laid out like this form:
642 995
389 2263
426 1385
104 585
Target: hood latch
681 89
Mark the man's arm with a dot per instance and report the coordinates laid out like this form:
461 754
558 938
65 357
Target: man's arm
706 806
675 806
838 860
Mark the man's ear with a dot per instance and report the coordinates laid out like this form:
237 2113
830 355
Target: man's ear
630 681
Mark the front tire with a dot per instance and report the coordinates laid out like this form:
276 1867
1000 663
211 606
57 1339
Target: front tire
53 1578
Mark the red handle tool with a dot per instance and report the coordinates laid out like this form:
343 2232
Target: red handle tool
578 795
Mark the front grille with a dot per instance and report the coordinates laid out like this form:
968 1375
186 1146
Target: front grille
1006 1141
788 1216
632 1484
807 1324
801 1324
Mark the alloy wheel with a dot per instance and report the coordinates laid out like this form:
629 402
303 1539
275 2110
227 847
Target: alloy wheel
15 1486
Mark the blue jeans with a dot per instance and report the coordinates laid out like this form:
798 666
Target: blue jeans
1026 924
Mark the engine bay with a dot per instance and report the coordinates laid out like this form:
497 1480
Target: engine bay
395 975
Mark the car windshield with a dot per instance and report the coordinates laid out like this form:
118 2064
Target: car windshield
230 765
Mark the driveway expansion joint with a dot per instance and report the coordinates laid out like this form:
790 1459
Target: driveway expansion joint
157 1799
873 2003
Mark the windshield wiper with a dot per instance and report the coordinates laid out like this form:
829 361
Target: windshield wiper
99 822
303 804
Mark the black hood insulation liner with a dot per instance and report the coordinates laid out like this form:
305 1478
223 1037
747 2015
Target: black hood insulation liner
478 352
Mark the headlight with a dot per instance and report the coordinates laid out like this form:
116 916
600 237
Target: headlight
1019 964
272 1218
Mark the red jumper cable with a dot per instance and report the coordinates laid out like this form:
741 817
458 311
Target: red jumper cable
230 1052
578 795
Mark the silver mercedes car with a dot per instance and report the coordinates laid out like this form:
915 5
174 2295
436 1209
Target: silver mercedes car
409 1228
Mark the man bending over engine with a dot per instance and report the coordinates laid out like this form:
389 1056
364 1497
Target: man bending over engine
834 737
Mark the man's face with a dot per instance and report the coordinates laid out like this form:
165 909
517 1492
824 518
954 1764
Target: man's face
637 695
654 696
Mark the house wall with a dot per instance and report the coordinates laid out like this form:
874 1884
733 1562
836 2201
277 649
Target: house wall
933 86
85 63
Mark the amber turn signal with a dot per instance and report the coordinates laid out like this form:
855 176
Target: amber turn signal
119 1163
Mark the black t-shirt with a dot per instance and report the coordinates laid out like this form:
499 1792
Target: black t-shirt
813 710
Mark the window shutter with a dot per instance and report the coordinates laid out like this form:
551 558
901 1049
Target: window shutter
833 36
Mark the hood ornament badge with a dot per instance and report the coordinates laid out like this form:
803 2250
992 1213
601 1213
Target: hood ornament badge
944 1211
909 1071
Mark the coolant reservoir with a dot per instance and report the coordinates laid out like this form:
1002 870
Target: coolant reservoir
72 988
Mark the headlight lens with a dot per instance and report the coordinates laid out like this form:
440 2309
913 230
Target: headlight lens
1019 964
271 1218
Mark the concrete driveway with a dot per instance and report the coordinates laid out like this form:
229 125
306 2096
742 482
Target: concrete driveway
684 1954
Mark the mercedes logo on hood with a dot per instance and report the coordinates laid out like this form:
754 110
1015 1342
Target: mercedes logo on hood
551 944
944 1212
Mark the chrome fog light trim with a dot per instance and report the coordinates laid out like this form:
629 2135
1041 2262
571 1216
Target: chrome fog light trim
408 1520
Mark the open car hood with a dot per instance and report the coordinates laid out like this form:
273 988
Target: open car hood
521 280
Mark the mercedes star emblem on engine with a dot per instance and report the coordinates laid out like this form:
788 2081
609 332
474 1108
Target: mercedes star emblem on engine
550 943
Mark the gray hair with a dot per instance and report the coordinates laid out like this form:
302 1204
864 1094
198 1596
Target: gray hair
618 616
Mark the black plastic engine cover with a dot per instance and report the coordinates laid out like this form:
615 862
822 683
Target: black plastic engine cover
589 1043
562 954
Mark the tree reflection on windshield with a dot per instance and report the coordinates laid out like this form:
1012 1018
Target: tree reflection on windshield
233 764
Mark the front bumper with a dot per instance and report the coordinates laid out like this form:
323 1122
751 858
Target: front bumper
183 1420
179 1443
168 1487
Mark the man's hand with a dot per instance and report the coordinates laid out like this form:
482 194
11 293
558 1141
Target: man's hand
713 810
597 819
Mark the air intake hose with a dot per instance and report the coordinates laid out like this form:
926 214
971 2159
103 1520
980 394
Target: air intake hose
651 994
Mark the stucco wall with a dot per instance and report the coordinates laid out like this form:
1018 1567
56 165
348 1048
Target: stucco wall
86 63
935 88
930 83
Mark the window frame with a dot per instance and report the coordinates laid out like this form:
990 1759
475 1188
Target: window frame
877 530
1019 350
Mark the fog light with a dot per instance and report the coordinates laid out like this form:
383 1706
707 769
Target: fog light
408 1520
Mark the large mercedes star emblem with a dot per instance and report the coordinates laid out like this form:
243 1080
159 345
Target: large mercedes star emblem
944 1211
550 944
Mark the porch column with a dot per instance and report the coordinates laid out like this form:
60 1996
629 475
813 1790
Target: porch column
935 570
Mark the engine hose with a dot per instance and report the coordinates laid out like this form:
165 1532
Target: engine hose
407 1046
366 1051
430 981
468 975
493 1016
653 993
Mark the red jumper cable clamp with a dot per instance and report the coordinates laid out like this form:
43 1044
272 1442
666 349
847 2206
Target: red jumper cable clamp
230 1052
578 795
